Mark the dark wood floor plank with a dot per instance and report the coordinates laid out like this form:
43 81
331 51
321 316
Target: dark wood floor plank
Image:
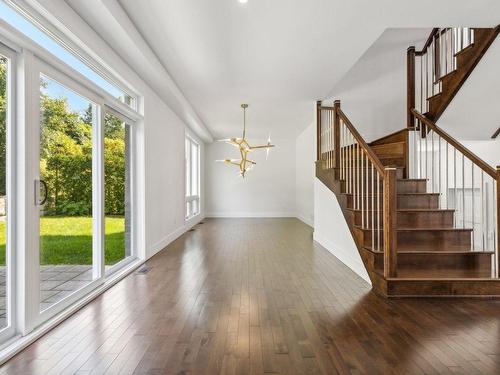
257 296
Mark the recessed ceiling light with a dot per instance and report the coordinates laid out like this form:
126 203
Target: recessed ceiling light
243 1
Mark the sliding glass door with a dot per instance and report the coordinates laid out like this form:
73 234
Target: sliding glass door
67 127
82 187
66 183
7 80
117 190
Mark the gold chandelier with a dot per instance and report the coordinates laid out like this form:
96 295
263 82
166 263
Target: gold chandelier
244 163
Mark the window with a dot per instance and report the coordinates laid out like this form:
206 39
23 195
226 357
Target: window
75 142
22 24
117 190
192 178
6 188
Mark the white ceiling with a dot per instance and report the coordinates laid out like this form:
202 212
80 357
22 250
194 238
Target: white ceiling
277 55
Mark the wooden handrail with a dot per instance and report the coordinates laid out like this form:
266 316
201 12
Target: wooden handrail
369 152
429 40
452 141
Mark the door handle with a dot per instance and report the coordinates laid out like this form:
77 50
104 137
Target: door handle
39 202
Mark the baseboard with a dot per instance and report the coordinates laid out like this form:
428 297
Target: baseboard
350 260
169 238
305 221
249 214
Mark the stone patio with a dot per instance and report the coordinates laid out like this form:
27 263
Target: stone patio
57 282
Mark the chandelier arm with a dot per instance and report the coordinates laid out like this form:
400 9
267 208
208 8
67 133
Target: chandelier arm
244 121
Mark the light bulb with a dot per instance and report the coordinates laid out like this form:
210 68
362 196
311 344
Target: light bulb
242 1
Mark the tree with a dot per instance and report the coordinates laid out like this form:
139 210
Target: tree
66 155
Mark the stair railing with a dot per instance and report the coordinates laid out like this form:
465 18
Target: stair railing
435 60
465 182
370 187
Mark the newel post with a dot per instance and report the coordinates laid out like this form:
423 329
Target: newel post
498 215
390 223
410 85
336 137
410 101
318 130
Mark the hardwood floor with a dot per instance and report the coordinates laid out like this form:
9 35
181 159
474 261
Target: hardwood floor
257 296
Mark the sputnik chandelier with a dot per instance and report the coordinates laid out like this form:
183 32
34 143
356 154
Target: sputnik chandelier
245 164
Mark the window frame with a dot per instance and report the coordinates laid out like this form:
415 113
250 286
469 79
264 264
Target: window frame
190 197
133 190
11 177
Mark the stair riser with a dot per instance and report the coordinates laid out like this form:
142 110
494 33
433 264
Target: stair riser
403 186
431 219
454 265
409 288
418 201
369 172
435 240
412 186
366 203
387 161
404 201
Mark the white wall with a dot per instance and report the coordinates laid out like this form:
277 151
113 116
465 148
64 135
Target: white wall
305 148
373 92
165 175
489 151
474 113
331 230
267 191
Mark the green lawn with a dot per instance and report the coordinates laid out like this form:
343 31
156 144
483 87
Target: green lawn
68 240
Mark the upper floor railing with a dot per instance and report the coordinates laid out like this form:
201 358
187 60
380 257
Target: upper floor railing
437 59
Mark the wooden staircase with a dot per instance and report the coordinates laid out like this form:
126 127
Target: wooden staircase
443 65
410 245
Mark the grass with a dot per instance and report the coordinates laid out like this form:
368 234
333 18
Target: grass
68 240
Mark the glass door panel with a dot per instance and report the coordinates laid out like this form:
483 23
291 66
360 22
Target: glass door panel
117 192
4 101
65 191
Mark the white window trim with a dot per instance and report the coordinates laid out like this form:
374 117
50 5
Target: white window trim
197 197
10 260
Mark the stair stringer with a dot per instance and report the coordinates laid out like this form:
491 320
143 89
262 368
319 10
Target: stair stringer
327 177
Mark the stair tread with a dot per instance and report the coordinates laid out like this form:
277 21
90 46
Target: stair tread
435 95
447 75
465 279
387 144
466 49
419 194
434 252
430 229
409 209
434 229
425 209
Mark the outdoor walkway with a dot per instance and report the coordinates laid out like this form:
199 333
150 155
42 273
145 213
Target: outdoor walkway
57 282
